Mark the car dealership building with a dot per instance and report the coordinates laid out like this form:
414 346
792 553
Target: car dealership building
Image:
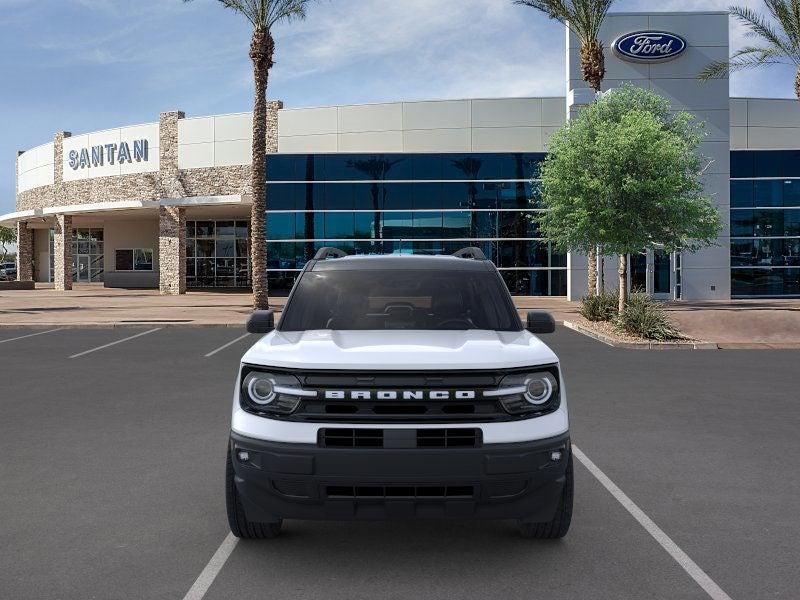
166 205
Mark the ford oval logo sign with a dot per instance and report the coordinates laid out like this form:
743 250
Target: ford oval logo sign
649 46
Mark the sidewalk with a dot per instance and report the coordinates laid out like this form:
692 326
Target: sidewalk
734 324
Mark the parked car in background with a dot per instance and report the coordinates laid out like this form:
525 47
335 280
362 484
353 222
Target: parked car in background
8 271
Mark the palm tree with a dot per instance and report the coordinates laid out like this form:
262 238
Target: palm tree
584 19
263 15
780 41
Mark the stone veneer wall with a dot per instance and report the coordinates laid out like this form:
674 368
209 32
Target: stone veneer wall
62 250
24 252
172 250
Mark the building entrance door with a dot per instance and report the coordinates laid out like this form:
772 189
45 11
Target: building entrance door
651 272
82 274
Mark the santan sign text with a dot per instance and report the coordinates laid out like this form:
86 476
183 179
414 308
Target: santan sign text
97 156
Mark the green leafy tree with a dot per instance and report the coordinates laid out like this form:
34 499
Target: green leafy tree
584 19
778 40
7 237
263 15
626 174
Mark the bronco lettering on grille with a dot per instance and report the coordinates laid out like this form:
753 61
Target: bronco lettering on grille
399 394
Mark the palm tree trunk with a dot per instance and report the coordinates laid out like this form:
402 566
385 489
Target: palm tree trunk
797 84
623 282
593 70
261 52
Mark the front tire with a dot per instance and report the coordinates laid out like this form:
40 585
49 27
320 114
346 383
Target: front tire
559 526
239 524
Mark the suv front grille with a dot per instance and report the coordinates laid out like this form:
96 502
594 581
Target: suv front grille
400 438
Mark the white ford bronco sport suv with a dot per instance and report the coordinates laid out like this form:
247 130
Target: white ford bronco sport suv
399 387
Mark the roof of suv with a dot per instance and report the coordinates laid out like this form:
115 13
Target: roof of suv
401 262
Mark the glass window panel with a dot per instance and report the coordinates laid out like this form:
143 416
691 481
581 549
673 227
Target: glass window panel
396 196
123 260
242 248
768 163
365 225
427 225
281 255
282 167
526 166
226 228
484 195
790 165
226 248
311 196
226 267
526 283
768 223
791 222
339 225
485 224
768 193
557 259
458 224
397 225
242 229
742 223
283 196
190 272
205 247
426 195
742 194
458 195
426 166
742 164
204 229
339 196
791 192
367 247
765 282
143 260
190 229
280 226
242 271
558 282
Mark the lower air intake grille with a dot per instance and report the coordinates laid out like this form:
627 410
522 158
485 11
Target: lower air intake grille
439 492
400 438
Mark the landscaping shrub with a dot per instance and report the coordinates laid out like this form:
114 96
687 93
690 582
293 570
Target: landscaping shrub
644 317
601 307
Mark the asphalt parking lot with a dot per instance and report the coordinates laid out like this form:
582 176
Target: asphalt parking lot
112 470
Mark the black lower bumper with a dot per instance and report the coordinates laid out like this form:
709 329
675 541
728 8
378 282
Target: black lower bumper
498 481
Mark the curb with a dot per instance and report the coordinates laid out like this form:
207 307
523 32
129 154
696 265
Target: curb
114 325
640 345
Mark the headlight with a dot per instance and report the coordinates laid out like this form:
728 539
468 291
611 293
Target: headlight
263 392
532 392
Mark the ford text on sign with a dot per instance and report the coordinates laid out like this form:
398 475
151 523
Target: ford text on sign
649 46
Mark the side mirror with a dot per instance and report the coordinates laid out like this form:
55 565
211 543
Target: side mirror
540 322
261 321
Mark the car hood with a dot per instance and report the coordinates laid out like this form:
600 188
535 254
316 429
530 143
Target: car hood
399 350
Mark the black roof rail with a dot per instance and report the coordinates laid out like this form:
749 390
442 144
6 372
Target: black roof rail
329 252
471 252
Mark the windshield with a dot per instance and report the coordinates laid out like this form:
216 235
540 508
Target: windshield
395 299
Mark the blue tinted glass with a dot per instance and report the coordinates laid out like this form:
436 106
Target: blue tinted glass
305 224
310 167
339 167
458 224
768 163
281 255
281 167
515 195
339 196
280 284
768 222
428 247
283 196
398 166
791 222
368 247
484 195
426 195
765 282
397 196
456 195
790 163
365 225
371 167
427 224
514 224
529 164
367 196
557 259
280 226
527 283
397 225
742 164
485 224
742 223
311 196
426 166
768 193
339 225
791 192
741 194
558 282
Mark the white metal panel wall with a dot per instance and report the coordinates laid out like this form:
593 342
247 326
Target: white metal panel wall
765 124
35 167
483 125
215 141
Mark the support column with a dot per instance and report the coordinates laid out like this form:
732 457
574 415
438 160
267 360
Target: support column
24 252
171 250
62 250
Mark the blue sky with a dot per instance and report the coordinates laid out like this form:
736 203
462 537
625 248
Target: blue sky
84 65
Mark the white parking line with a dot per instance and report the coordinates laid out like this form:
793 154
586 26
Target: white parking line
84 353
214 566
22 337
695 572
231 343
